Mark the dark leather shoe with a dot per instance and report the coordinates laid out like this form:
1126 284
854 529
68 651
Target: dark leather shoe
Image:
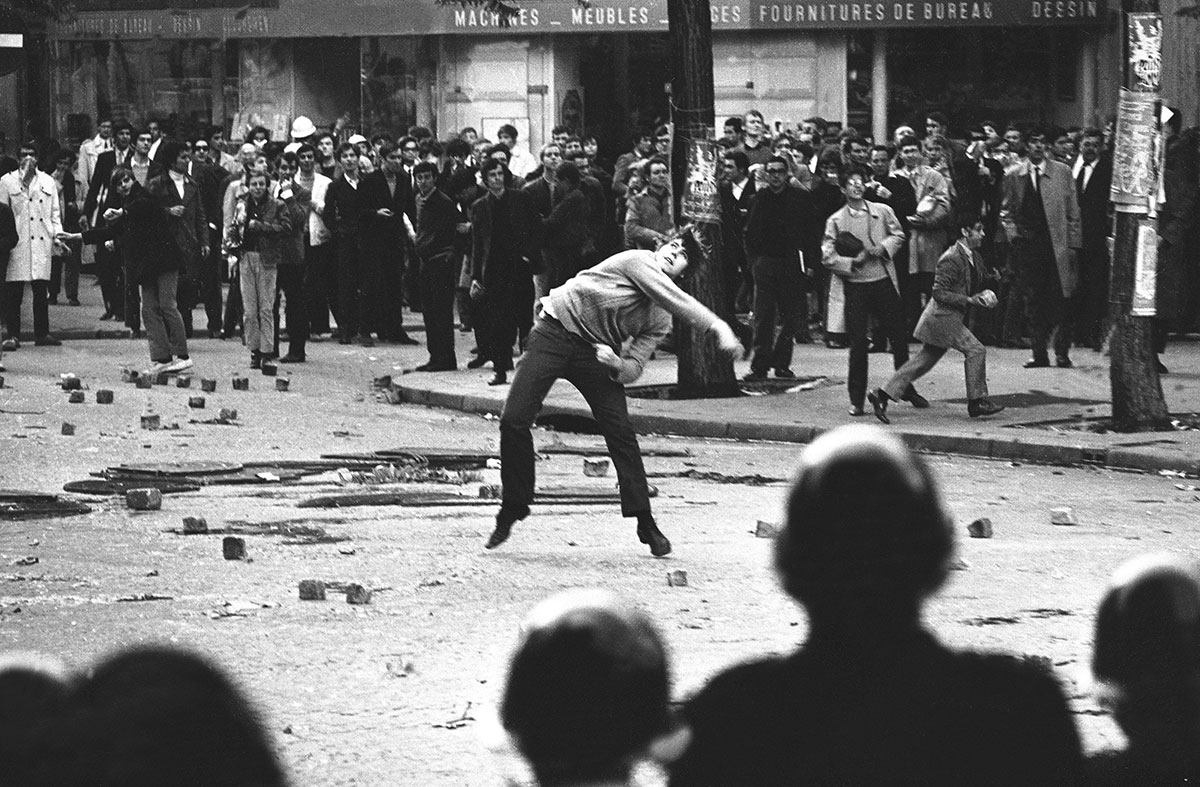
108 316
256 361
879 399
650 534
915 399
404 338
476 362
435 367
46 341
292 358
72 301
1036 363
1160 367
785 374
500 378
878 347
754 377
505 519
977 408
1063 362
365 340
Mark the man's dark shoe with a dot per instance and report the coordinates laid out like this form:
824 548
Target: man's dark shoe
1063 362
878 346
1037 363
915 399
476 362
754 377
1160 367
435 367
72 301
499 378
835 344
977 408
879 401
255 361
292 358
648 533
785 374
505 519
365 340
46 341
404 338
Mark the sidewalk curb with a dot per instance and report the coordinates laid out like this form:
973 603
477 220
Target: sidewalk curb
1013 449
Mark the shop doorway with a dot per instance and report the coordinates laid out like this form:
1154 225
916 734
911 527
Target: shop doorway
623 78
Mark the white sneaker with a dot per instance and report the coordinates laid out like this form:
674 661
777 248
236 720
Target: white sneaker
179 365
161 366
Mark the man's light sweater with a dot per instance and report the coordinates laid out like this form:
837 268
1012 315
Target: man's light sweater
626 298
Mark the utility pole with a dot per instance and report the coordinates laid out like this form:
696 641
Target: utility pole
703 371
1137 397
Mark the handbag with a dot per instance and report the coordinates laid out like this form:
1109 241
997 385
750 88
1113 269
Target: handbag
847 244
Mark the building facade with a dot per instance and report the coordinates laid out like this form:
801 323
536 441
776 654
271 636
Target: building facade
387 64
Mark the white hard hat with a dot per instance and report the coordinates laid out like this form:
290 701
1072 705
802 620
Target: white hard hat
302 127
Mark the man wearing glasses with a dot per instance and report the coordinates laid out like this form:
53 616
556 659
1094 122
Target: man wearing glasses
773 241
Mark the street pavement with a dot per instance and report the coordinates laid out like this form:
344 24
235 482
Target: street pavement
1046 420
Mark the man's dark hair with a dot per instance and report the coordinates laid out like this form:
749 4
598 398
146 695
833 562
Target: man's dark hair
306 148
419 132
1092 131
735 123
739 159
569 172
290 158
778 160
821 123
381 136
122 125
263 130
651 162
561 128
884 148
641 134
851 172
342 148
169 152
965 220
939 118
426 167
493 164
458 148
501 148
387 149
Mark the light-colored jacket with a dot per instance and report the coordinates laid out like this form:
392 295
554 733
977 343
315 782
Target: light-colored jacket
959 273
38 220
1057 188
926 244
89 151
883 224
318 233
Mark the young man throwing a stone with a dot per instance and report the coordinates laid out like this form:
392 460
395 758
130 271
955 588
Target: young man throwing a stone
597 331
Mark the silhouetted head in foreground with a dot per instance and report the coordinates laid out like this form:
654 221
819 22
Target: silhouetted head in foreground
587 690
1147 658
33 695
155 716
866 538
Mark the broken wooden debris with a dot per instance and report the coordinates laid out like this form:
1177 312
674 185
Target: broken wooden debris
143 381
183 381
70 382
269 369
561 496
119 486
16 504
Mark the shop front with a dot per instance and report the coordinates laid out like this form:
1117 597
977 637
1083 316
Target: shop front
384 65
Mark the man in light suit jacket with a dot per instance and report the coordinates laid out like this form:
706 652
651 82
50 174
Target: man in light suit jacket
1040 214
956 288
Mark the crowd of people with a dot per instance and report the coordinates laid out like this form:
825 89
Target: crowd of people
871 697
828 235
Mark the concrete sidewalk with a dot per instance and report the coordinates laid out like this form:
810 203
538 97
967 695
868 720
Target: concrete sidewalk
1043 407
1043 404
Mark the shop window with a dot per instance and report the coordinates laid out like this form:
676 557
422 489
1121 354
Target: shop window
170 81
391 69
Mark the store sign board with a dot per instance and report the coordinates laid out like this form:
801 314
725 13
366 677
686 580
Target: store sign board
312 18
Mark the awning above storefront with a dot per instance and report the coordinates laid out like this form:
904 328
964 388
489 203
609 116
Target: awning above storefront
216 19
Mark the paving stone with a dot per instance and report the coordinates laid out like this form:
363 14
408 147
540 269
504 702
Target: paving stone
195 524
196 402
677 578
282 383
766 529
208 386
1063 516
145 499
490 491
312 590
227 414
104 396
241 383
70 382
143 381
357 594
76 397
233 548
68 429
980 528
595 468
151 421
183 381
269 369
129 375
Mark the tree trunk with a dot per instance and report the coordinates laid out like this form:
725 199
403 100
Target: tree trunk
1137 398
703 370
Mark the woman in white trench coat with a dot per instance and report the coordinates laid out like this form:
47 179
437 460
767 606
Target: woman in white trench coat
33 197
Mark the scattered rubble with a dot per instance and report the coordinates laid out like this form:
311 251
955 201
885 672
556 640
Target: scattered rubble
68 429
104 396
233 548
677 578
357 594
1063 516
980 528
766 529
312 590
595 468
144 499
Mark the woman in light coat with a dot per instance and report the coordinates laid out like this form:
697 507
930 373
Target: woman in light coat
33 197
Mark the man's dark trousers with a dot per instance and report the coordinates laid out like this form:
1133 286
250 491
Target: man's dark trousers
291 287
439 275
864 299
778 289
210 281
552 353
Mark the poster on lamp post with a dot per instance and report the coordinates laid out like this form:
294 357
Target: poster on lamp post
1135 154
701 200
1145 270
